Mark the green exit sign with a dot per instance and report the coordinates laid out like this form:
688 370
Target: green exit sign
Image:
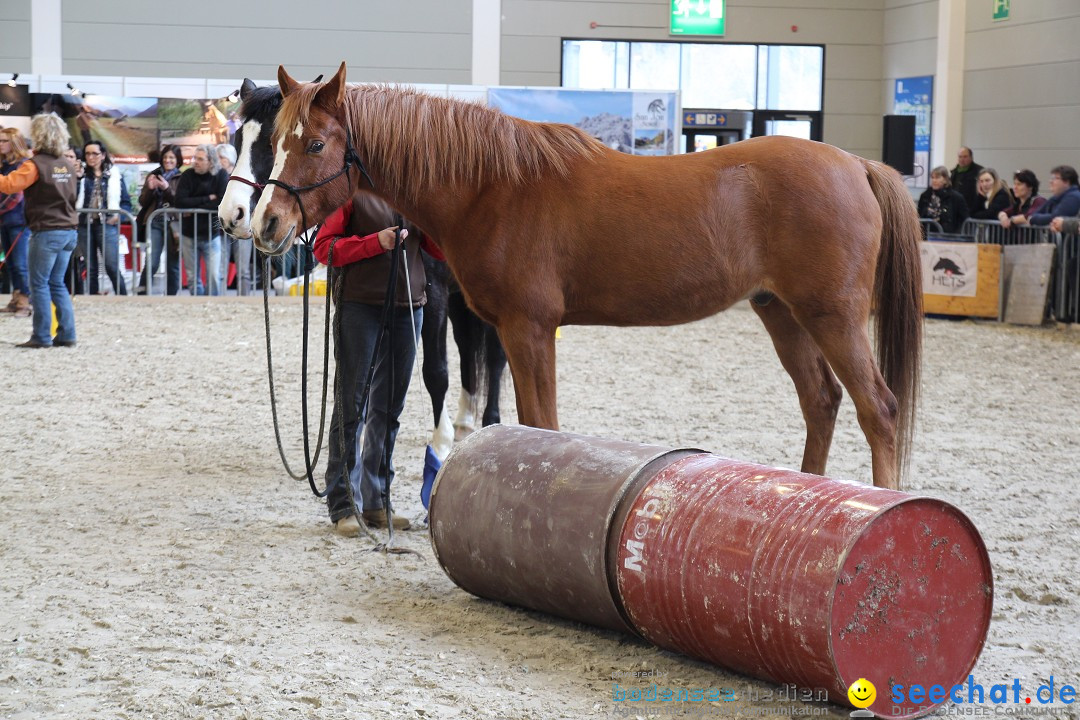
697 17
1001 9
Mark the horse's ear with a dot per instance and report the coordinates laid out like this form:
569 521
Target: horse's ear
333 92
286 83
246 88
318 78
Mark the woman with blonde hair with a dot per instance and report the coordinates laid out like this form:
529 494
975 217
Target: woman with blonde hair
994 195
14 235
48 183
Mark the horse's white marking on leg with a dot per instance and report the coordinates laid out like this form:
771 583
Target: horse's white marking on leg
465 422
442 438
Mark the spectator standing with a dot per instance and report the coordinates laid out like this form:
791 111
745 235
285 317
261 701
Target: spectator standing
965 177
102 186
48 183
1065 197
159 191
14 233
201 187
1027 200
994 196
941 203
233 249
365 261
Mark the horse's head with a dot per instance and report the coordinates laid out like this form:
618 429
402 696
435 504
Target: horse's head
310 145
255 157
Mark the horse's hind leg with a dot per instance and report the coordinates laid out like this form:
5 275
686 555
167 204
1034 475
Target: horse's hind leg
842 336
435 371
466 327
495 359
819 392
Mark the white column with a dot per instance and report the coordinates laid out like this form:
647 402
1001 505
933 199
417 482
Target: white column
946 134
486 41
46 53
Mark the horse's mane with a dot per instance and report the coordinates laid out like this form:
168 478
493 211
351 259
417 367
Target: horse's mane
416 140
261 104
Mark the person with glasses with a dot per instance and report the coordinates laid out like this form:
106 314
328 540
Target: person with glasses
102 187
1064 199
48 183
14 234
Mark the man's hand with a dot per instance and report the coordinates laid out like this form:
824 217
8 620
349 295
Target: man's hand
1055 224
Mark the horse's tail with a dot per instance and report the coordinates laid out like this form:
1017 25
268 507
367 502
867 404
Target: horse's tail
899 300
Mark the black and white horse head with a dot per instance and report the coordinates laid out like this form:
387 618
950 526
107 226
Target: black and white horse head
255 156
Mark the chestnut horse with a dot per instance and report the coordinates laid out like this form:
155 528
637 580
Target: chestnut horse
545 226
482 358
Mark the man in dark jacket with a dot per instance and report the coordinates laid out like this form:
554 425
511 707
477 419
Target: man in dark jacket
965 177
201 187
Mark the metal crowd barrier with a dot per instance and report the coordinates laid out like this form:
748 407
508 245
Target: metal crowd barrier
249 278
1065 273
87 229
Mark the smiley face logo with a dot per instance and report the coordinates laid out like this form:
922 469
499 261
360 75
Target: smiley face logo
862 693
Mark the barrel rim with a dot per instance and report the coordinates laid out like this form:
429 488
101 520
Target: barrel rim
985 557
623 501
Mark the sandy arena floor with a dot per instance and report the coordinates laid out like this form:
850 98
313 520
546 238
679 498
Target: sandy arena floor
156 562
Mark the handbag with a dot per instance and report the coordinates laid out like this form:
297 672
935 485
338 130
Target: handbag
9 202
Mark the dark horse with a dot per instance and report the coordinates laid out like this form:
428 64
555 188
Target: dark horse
544 226
482 356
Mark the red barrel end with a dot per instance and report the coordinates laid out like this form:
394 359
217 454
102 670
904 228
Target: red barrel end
800 578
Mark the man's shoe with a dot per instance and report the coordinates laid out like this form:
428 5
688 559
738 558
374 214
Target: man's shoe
63 343
377 519
347 526
32 343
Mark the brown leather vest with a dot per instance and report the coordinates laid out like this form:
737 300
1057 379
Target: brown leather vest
50 202
365 281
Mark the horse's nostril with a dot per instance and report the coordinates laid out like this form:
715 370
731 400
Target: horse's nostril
240 213
271 225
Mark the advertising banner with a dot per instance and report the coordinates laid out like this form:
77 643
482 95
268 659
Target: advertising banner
631 121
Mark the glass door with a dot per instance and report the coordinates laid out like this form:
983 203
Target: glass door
793 124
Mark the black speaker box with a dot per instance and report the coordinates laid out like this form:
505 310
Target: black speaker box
898 143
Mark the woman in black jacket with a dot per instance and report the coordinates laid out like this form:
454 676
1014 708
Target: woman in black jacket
941 203
994 196
159 191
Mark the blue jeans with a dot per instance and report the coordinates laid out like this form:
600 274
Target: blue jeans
49 253
393 370
161 241
209 251
106 238
16 243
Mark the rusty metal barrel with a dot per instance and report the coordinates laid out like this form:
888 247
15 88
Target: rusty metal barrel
778 574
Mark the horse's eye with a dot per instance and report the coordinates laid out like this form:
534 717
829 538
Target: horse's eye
315 147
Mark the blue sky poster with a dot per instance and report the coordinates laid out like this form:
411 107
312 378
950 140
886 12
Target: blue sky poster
915 96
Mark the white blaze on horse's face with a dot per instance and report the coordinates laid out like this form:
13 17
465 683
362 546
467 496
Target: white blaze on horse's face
234 209
280 156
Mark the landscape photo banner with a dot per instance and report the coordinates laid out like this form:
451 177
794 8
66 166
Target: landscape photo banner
635 122
126 126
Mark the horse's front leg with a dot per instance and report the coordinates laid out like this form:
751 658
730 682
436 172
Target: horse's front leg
530 349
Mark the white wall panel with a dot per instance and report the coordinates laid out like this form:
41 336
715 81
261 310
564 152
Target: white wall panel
15 31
